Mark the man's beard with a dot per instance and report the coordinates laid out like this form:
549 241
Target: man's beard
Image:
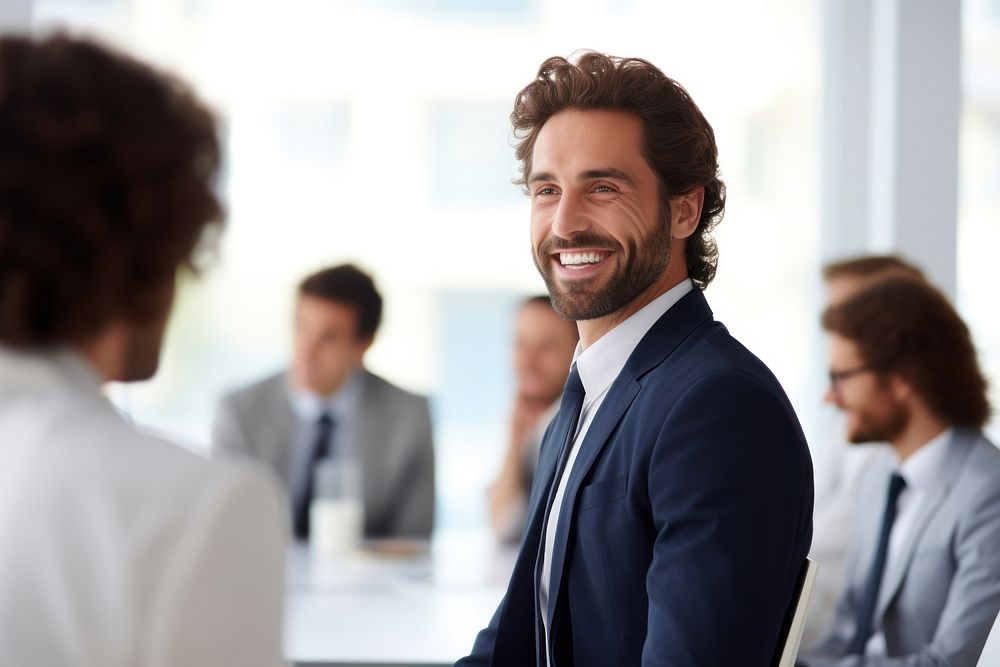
884 428
634 273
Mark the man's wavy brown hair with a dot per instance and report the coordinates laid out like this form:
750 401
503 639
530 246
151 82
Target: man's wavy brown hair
904 326
679 143
107 170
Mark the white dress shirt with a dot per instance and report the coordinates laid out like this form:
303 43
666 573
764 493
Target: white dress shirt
920 471
120 549
343 406
598 366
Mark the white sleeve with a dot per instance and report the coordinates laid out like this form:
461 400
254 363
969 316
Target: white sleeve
220 601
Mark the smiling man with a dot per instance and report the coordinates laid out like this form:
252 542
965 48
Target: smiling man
671 510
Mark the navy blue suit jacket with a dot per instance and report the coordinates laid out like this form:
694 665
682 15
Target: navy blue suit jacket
685 521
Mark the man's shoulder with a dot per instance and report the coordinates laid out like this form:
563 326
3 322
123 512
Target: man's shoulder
984 449
258 393
378 389
146 465
981 472
973 494
711 374
179 466
152 500
711 354
177 491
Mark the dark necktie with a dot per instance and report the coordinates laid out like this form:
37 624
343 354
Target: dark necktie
563 432
569 409
322 448
866 612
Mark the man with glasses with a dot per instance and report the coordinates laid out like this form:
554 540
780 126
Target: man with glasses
839 466
924 585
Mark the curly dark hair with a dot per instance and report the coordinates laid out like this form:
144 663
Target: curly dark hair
107 171
347 284
902 325
679 143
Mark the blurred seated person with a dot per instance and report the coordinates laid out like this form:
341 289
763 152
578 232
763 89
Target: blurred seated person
924 583
119 549
543 350
840 466
326 405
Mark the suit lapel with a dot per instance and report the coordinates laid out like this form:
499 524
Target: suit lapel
620 397
554 446
366 444
683 318
279 432
958 448
666 334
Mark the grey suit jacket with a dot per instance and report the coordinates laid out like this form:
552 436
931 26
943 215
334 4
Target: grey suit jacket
394 445
937 605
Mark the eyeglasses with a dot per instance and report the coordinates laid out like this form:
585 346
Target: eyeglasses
836 377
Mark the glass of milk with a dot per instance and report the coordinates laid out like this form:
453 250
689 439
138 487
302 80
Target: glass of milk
336 515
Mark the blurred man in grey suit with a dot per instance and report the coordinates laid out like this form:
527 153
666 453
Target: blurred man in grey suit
840 467
924 584
327 405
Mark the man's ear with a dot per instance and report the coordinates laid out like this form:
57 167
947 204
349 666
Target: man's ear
361 346
685 212
900 386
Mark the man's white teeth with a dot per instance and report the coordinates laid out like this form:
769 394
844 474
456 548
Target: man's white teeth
571 258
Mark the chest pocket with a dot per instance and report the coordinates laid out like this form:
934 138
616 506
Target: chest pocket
603 492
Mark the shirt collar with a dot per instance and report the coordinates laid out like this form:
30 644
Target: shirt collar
60 366
923 467
309 406
601 363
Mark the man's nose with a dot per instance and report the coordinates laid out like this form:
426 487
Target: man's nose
831 396
570 218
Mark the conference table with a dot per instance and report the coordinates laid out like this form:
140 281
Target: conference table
393 604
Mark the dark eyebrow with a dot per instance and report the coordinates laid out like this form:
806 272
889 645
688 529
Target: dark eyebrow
610 172
589 175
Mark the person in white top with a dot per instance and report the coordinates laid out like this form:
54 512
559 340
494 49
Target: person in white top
119 549
923 586
543 350
839 466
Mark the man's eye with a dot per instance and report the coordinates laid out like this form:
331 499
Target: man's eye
604 188
546 191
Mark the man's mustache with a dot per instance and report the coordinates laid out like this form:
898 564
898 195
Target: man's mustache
554 244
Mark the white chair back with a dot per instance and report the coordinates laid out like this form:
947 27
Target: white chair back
795 620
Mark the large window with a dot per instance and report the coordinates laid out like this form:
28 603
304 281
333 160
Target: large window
376 132
979 187
465 168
